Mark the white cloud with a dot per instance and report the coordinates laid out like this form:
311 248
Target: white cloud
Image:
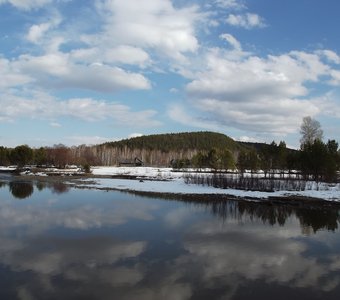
330 55
11 76
335 80
40 105
131 33
133 135
122 54
248 20
37 31
232 41
248 139
127 55
155 24
264 95
93 110
59 71
230 4
328 104
135 39
27 4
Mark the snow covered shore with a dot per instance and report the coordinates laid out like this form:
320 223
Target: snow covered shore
173 182
165 180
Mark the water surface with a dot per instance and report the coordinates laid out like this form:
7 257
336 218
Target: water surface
58 242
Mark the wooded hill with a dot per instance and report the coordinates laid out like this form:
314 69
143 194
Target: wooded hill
162 149
202 141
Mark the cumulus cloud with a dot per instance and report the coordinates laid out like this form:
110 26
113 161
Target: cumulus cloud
133 40
59 71
37 31
122 54
330 55
11 76
130 33
248 20
267 95
42 106
156 25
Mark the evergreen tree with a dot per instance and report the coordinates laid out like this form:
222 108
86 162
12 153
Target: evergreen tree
4 156
21 155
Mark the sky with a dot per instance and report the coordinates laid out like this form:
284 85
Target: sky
86 72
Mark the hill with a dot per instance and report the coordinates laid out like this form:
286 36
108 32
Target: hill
161 149
200 141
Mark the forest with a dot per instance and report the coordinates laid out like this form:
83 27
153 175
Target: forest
316 159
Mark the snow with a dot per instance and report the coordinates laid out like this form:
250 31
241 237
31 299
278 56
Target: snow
8 169
178 186
165 180
149 172
174 184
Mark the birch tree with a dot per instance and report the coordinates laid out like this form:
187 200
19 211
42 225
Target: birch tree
310 131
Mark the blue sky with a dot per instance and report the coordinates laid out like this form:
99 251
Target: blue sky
85 72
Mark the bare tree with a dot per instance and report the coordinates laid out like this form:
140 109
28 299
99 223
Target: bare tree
310 131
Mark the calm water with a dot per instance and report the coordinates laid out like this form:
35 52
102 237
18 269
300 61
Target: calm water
62 243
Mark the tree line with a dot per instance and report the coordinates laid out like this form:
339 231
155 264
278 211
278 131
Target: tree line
59 156
315 159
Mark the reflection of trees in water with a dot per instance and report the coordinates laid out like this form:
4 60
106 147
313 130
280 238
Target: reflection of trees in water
59 187
319 219
25 189
316 217
56 187
268 214
227 181
21 190
2 184
312 215
40 185
241 210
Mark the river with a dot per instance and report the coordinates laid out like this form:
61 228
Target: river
58 242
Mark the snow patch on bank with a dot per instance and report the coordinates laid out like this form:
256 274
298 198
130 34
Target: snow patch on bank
174 184
146 172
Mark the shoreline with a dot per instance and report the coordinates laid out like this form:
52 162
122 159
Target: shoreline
91 181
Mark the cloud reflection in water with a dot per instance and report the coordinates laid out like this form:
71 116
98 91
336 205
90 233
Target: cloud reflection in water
90 244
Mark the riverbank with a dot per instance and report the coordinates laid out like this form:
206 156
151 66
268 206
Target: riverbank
165 181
